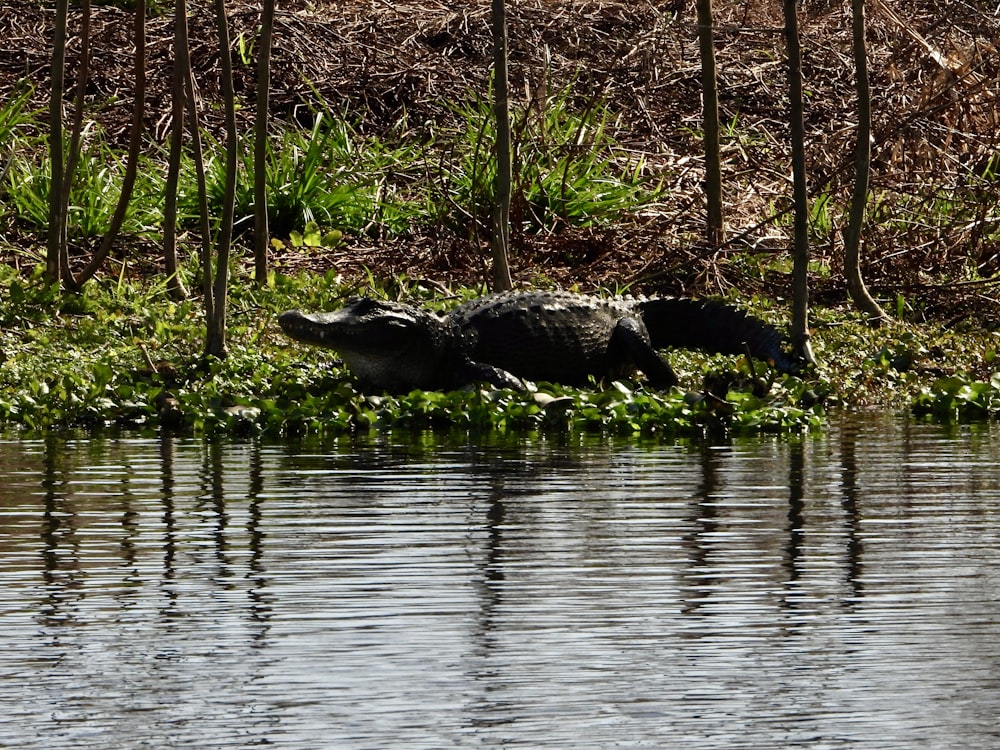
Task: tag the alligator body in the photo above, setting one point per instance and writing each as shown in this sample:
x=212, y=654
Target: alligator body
x=506, y=338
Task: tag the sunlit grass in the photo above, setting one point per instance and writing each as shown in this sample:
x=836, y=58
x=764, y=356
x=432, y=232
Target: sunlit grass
x=97, y=183
x=328, y=175
x=568, y=169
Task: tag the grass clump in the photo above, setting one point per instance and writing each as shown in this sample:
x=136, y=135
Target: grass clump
x=97, y=183
x=568, y=169
x=328, y=175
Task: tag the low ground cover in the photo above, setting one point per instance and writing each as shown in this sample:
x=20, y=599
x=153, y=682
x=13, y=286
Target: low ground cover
x=125, y=354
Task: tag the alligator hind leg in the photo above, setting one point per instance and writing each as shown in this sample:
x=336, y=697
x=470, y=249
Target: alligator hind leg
x=630, y=345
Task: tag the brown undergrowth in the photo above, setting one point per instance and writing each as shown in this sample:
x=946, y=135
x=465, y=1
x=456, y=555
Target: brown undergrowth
x=933, y=240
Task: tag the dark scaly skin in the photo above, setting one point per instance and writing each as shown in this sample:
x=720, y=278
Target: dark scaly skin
x=509, y=337
x=560, y=337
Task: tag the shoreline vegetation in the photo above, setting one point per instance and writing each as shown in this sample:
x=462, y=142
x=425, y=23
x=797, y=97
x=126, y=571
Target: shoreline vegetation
x=124, y=355
x=378, y=183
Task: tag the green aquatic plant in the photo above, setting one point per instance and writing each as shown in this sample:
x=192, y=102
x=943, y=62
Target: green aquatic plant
x=959, y=397
x=124, y=353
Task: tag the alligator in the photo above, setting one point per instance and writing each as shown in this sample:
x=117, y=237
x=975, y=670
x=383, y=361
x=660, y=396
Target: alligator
x=507, y=338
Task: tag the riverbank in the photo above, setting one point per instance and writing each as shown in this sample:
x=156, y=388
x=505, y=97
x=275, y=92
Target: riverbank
x=126, y=355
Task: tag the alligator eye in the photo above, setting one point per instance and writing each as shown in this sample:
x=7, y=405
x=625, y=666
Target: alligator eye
x=393, y=321
x=362, y=305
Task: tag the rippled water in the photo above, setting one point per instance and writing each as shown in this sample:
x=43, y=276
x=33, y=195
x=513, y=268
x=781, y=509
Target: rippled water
x=837, y=591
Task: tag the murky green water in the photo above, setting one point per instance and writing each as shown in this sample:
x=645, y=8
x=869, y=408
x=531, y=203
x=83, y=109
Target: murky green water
x=840, y=591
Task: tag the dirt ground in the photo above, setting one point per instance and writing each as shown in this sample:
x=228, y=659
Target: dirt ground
x=934, y=74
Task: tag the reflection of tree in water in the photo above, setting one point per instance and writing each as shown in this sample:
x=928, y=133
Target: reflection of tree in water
x=216, y=480
x=796, y=520
x=212, y=500
x=60, y=541
x=166, y=445
x=849, y=490
x=216, y=499
x=703, y=524
x=509, y=469
x=260, y=601
x=512, y=471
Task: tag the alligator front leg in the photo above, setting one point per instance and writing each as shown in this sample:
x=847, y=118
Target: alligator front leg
x=478, y=372
x=630, y=345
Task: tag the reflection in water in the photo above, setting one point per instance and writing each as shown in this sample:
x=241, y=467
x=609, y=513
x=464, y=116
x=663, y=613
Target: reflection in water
x=849, y=502
x=60, y=544
x=796, y=517
x=703, y=527
x=167, y=483
x=827, y=591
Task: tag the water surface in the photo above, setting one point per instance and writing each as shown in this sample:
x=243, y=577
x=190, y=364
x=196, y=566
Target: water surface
x=834, y=591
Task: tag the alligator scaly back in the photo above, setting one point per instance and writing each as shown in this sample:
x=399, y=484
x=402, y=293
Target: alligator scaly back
x=560, y=337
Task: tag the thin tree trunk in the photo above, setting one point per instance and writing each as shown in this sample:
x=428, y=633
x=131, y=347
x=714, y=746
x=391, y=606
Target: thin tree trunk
x=177, y=92
x=198, y=158
x=800, y=202
x=715, y=228
x=190, y=99
x=134, y=149
x=215, y=344
x=862, y=166
x=57, y=217
x=75, y=139
x=261, y=231
x=502, y=187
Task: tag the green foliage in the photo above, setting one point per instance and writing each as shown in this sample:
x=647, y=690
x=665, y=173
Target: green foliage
x=567, y=168
x=568, y=171
x=328, y=175
x=124, y=353
x=97, y=183
x=15, y=122
x=313, y=236
x=960, y=397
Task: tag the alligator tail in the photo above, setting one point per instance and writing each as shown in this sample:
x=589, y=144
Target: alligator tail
x=715, y=327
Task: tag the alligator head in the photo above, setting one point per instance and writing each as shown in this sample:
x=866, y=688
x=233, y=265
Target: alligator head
x=388, y=346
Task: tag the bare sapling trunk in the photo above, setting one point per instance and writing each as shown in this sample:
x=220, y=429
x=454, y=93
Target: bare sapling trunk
x=132, y=160
x=215, y=343
x=856, y=287
x=500, y=241
x=198, y=160
x=57, y=215
x=715, y=225
x=75, y=140
x=261, y=231
x=800, y=202
x=178, y=96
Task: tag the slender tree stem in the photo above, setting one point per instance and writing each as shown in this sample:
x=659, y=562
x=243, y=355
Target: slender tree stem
x=502, y=187
x=862, y=166
x=261, y=231
x=57, y=217
x=800, y=188
x=715, y=228
x=216, y=339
